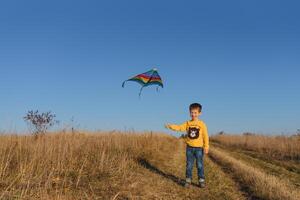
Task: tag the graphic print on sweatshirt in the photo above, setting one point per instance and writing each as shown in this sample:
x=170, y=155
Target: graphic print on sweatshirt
x=193, y=132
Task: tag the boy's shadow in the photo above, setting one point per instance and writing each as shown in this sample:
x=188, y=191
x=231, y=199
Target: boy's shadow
x=144, y=163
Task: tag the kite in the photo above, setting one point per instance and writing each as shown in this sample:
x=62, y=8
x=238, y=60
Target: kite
x=145, y=79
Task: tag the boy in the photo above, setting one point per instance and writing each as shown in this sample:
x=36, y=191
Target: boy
x=197, y=142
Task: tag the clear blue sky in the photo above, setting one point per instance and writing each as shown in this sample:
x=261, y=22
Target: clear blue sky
x=240, y=59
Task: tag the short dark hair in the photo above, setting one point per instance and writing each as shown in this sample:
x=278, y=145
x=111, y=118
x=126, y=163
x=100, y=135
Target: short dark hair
x=196, y=106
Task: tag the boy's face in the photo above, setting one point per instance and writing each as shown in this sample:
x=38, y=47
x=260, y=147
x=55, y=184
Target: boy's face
x=195, y=113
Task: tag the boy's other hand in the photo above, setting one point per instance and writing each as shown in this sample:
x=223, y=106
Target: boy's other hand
x=206, y=151
x=167, y=126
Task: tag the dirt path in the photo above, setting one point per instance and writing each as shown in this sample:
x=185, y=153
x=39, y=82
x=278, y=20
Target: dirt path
x=267, y=166
x=163, y=176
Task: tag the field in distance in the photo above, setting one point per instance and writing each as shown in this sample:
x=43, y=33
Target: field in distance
x=119, y=165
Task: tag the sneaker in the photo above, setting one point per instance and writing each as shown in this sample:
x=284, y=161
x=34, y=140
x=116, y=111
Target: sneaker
x=201, y=183
x=188, y=182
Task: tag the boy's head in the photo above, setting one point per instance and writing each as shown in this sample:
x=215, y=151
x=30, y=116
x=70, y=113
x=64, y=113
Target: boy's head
x=195, y=110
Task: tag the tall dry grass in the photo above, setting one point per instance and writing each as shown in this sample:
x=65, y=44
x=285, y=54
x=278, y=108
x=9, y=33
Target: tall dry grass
x=71, y=166
x=279, y=147
x=261, y=184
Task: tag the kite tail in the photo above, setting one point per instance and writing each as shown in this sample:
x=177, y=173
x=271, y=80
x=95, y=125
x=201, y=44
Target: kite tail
x=123, y=84
x=141, y=91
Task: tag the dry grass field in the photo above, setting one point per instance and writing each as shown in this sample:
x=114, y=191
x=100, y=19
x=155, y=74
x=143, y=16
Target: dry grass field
x=274, y=147
x=135, y=166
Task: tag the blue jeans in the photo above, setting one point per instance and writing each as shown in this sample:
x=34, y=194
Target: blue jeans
x=193, y=153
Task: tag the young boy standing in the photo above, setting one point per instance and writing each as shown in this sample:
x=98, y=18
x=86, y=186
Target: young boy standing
x=197, y=143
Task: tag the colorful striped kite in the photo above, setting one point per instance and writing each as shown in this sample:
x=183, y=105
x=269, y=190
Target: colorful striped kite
x=148, y=78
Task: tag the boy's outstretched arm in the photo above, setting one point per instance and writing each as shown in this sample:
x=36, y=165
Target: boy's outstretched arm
x=174, y=127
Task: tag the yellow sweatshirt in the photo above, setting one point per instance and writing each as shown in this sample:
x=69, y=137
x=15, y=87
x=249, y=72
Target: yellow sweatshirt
x=197, y=135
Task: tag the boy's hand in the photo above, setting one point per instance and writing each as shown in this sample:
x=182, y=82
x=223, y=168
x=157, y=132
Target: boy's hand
x=167, y=126
x=206, y=151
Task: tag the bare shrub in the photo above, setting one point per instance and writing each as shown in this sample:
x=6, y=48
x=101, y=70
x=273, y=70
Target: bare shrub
x=40, y=122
